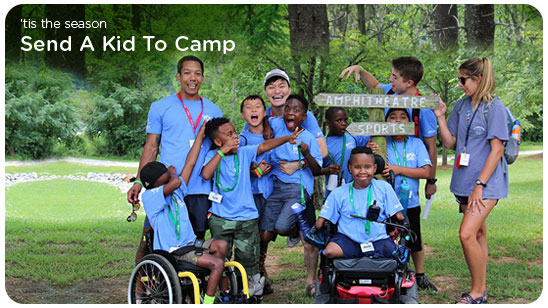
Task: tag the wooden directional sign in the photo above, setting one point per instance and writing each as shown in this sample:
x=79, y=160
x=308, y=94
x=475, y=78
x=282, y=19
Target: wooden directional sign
x=376, y=101
x=381, y=128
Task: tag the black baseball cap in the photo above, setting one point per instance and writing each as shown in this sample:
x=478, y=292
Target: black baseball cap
x=151, y=172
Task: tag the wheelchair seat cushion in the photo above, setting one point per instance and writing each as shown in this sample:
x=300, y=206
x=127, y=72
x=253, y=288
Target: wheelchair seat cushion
x=184, y=266
x=365, y=264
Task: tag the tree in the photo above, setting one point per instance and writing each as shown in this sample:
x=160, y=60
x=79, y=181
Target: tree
x=13, y=34
x=446, y=31
x=73, y=61
x=480, y=25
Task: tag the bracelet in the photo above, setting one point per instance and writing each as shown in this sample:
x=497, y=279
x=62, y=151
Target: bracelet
x=361, y=68
x=431, y=181
x=138, y=181
x=258, y=172
x=221, y=153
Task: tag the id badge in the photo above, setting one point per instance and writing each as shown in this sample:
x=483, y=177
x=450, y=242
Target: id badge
x=215, y=197
x=464, y=159
x=367, y=247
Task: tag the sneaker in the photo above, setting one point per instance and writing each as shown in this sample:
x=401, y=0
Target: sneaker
x=256, y=285
x=292, y=241
x=424, y=284
x=268, y=289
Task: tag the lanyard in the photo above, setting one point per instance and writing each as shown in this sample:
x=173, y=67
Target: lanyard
x=367, y=222
x=218, y=173
x=404, y=178
x=189, y=116
x=176, y=222
x=343, y=151
x=303, y=202
x=468, y=129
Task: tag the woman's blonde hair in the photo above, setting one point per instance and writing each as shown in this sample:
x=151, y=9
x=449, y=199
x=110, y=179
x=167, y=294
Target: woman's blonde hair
x=483, y=67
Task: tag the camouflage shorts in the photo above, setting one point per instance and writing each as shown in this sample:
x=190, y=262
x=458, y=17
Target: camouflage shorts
x=192, y=256
x=243, y=236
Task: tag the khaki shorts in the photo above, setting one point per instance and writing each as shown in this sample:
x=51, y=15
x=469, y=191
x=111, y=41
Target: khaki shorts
x=192, y=256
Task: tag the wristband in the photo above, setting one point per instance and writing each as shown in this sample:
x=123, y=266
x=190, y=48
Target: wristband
x=138, y=181
x=258, y=172
x=221, y=153
x=431, y=181
x=361, y=68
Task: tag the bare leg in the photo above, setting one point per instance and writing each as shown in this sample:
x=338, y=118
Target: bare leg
x=214, y=261
x=311, y=261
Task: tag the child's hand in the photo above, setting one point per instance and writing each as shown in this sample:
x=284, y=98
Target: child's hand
x=304, y=149
x=265, y=168
x=288, y=167
x=267, y=131
x=293, y=137
x=230, y=145
x=333, y=169
x=372, y=145
x=386, y=171
x=201, y=133
x=172, y=170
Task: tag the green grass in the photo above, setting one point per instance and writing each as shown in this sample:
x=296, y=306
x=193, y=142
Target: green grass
x=62, y=232
x=66, y=168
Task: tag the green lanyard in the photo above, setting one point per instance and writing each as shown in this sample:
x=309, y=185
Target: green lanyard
x=303, y=202
x=343, y=151
x=218, y=173
x=403, y=177
x=367, y=222
x=176, y=222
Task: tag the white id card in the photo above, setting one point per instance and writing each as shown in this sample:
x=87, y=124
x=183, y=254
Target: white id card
x=191, y=142
x=367, y=247
x=215, y=197
x=464, y=159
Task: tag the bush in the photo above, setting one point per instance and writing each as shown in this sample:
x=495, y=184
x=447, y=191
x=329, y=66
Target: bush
x=39, y=110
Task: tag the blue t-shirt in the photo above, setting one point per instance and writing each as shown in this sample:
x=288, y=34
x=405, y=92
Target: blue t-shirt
x=160, y=209
x=428, y=123
x=261, y=185
x=416, y=157
x=289, y=152
x=335, y=149
x=167, y=117
x=463, y=179
x=338, y=208
x=310, y=123
x=237, y=204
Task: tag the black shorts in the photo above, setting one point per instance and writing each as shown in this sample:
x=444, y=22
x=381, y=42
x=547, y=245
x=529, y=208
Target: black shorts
x=414, y=216
x=463, y=200
x=198, y=207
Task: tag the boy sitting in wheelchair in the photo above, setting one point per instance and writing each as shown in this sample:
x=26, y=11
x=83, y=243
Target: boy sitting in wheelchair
x=356, y=237
x=166, y=210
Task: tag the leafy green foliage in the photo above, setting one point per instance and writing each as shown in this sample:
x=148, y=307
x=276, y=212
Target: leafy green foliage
x=39, y=110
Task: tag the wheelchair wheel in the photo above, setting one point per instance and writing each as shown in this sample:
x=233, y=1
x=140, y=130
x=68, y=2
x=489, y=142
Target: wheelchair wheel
x=154, y=281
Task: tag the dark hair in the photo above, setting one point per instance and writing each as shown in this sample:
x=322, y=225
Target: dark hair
x=360, y=150
x=330, y=112
x=212, y=127
x=273, y=79
x=410, y=68
x=189, y=58
x=300, y=98
x=252, y=97
x=393, y=109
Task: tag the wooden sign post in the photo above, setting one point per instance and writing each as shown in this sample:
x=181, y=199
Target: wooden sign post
x=377, y=101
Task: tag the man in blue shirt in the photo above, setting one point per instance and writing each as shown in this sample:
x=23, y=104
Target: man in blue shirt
x=172, y=127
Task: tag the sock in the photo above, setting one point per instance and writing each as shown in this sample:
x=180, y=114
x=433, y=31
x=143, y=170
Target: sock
x=209, y=299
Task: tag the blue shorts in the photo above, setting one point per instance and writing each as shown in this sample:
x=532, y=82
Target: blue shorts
x=198, y=207
x=278, y=215
x=351, y=249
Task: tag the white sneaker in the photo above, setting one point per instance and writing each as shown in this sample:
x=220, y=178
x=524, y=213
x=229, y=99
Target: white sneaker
x=256, y=285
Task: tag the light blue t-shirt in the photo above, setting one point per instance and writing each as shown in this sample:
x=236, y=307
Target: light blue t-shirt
x=335, y=149
x=416, y=157
x=167, y=117
x=479, y=147
x=237, y=204
x=338, y=208
x=158, y=208
x=310, y=123
x=289, y=152
x=428, y=123
x=264, y=184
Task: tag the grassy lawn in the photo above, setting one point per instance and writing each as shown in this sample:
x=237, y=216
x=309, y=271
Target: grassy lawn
x=67, y=168
x=62, y=233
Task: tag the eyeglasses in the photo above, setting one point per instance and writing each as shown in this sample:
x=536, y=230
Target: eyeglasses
x=133, y=216
x=462, y=80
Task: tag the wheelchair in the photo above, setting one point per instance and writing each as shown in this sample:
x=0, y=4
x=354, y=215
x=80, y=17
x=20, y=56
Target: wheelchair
x=366, y=280
x=161, y=279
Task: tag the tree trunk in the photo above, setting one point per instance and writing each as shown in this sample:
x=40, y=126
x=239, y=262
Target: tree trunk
x=446, y=33
x=361, y=18
x=73, y=61
x=13, y=34
x=480, y=25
